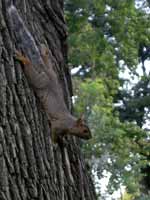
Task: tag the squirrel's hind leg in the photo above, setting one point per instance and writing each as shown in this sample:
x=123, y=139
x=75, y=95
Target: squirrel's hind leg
x=38, y=80
x=22, y=58
x=44, y=54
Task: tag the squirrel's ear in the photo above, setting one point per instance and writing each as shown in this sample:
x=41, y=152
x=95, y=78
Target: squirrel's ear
x=82, y=117
x=80, y=120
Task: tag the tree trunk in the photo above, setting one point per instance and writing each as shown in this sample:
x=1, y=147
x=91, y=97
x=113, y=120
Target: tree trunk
x=31, y=166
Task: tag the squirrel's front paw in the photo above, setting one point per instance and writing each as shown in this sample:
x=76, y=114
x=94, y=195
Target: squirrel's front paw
x=54, y=136
x=57, y=135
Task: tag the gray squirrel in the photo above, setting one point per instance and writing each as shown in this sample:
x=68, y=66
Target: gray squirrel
x=39, y=71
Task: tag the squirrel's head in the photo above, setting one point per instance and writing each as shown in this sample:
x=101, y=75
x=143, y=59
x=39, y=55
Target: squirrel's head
x=81, y=129
x=71, y=126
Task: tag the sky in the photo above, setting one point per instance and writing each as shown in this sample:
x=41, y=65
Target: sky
x=103, y=185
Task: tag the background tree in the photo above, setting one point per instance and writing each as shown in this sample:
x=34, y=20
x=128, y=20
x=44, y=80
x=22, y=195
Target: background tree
x=107, y=39
x=31, y=166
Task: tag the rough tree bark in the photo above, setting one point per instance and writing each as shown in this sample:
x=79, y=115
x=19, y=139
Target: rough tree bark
x=31, y=166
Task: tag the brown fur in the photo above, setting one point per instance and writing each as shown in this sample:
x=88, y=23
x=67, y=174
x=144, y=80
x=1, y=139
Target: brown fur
x=39, y=71
x=49, y=91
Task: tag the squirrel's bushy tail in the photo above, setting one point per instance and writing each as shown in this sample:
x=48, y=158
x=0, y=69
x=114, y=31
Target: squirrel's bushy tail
x=24, y=39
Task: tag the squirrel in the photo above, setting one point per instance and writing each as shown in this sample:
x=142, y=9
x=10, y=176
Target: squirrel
x=38, y=69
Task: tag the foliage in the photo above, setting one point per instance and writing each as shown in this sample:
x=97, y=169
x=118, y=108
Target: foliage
x=106, y=38
x=144, y=197
x=127, y=196
x=113, y=145
x=105, y=28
